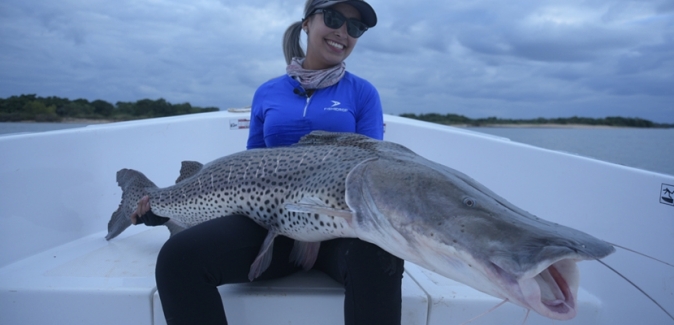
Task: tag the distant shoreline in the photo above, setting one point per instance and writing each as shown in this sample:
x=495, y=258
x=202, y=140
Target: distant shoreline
x=544, y=126
x=560, y=122
x=67, y=121
x=84, y=121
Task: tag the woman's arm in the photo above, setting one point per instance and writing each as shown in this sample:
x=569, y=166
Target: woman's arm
x=369, y=117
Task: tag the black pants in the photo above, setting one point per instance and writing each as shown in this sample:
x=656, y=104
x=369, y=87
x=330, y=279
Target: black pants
x=194, y=262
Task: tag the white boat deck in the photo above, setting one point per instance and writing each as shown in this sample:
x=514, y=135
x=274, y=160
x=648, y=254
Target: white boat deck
x=59, y=190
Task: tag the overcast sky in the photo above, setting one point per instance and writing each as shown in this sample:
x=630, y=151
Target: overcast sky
x=479, y=58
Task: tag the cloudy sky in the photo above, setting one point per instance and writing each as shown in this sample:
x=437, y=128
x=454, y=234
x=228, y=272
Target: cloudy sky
x=479, y=58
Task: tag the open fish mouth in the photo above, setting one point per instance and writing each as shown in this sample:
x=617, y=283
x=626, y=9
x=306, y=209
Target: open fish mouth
x=555, y=292
x=552, y=292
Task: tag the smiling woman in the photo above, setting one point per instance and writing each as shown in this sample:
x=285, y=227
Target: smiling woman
x=360, y=17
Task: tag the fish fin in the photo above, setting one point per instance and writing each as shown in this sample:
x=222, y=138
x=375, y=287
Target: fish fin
x=134, y=186
x=263, y=258
x=174, y=227
x=305, y=253
x=315, y=205
x=119, y=221
x=319, y=137
x=188, y=169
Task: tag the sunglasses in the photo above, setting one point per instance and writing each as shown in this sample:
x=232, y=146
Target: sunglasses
x=334, y=19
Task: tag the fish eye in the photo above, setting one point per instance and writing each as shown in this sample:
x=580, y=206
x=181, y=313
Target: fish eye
x=469, y=202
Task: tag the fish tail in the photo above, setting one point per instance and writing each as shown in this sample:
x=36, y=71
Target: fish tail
x=134, y=186
x=120, y=220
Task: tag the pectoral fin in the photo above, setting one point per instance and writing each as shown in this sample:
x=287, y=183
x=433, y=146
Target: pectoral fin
x=263, y=258
x=305, y=253
x=315, y=205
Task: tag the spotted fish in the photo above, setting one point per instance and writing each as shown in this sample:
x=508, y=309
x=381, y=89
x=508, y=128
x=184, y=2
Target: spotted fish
x=333, y=185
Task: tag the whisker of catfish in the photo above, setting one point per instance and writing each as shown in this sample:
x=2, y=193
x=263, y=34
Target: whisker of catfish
x=526, y=316
x=486, y=312
x=637, y=287
x=642, y=254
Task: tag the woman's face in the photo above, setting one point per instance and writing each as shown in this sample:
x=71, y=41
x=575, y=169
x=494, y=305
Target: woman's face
x=327, y=47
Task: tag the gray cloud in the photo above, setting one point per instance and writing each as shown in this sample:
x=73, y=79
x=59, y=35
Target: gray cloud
x=478, y=58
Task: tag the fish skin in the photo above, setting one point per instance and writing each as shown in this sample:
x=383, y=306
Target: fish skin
x=260, y=183
x=346, y=185
x=458, y=228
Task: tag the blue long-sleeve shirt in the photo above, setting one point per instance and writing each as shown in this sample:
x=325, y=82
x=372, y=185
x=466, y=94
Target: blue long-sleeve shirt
x=281, y=113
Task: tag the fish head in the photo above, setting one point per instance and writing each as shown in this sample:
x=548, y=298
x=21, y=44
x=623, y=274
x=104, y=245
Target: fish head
x=447, y=222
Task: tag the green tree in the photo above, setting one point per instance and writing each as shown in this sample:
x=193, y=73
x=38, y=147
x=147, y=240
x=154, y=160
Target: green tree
x=32, y=107
x=39, y=111
x=78, y=110
x=102, y=108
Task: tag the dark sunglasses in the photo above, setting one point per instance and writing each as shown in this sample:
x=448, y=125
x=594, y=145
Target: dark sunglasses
x=334, y=19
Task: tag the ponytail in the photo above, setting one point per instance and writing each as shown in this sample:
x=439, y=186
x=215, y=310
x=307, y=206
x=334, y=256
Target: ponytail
x=291, y=42
x=291, y=38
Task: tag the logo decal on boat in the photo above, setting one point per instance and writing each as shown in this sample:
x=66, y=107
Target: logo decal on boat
x=238, y=124
x=666, y=194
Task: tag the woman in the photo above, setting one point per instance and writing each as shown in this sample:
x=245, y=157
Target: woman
x=315, y=94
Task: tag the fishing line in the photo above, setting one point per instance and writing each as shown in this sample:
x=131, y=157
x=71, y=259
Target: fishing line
x=636, y=286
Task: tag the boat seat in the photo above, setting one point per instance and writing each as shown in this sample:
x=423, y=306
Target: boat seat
x=94, y=281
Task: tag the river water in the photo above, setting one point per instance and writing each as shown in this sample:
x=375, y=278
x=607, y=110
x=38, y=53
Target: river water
x=649, y=149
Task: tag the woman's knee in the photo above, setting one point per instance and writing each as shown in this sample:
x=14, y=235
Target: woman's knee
x=361, y=257
x=174, y=257
x=210, y=239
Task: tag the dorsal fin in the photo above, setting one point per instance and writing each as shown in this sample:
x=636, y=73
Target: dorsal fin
x=345, y=139
x=332, y=138
x=188, y=169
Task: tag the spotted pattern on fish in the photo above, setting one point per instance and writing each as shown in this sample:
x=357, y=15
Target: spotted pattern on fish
x=259, y=183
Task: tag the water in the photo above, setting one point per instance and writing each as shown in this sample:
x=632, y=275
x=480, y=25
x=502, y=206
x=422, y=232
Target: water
x=649, y=149
x=29, y=127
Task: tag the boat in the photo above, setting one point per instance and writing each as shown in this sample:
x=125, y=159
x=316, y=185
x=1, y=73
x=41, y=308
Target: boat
x=58, y=191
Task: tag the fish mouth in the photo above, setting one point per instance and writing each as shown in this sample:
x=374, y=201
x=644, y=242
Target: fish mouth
x=551, y=292
x=557, y=296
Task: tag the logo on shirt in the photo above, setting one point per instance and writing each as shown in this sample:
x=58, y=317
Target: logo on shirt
x=335, y=108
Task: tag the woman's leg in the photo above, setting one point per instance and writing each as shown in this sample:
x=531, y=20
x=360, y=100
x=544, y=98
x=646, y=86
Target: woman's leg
x=194, y=262
x=372, y=280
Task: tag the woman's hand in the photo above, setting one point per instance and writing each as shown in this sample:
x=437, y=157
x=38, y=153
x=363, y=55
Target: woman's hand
x=143, y=214
x=142, y=208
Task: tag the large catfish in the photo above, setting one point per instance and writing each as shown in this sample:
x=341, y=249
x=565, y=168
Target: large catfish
x=345, y=185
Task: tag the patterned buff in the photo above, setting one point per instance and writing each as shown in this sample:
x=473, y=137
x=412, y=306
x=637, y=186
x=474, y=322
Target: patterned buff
x=315, y=79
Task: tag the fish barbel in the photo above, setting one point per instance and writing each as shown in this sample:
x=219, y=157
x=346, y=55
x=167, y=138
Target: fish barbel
x=333, y=185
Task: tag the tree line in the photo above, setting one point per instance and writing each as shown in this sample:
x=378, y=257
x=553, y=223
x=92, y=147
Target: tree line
x=56, y=109
x=455, y=119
